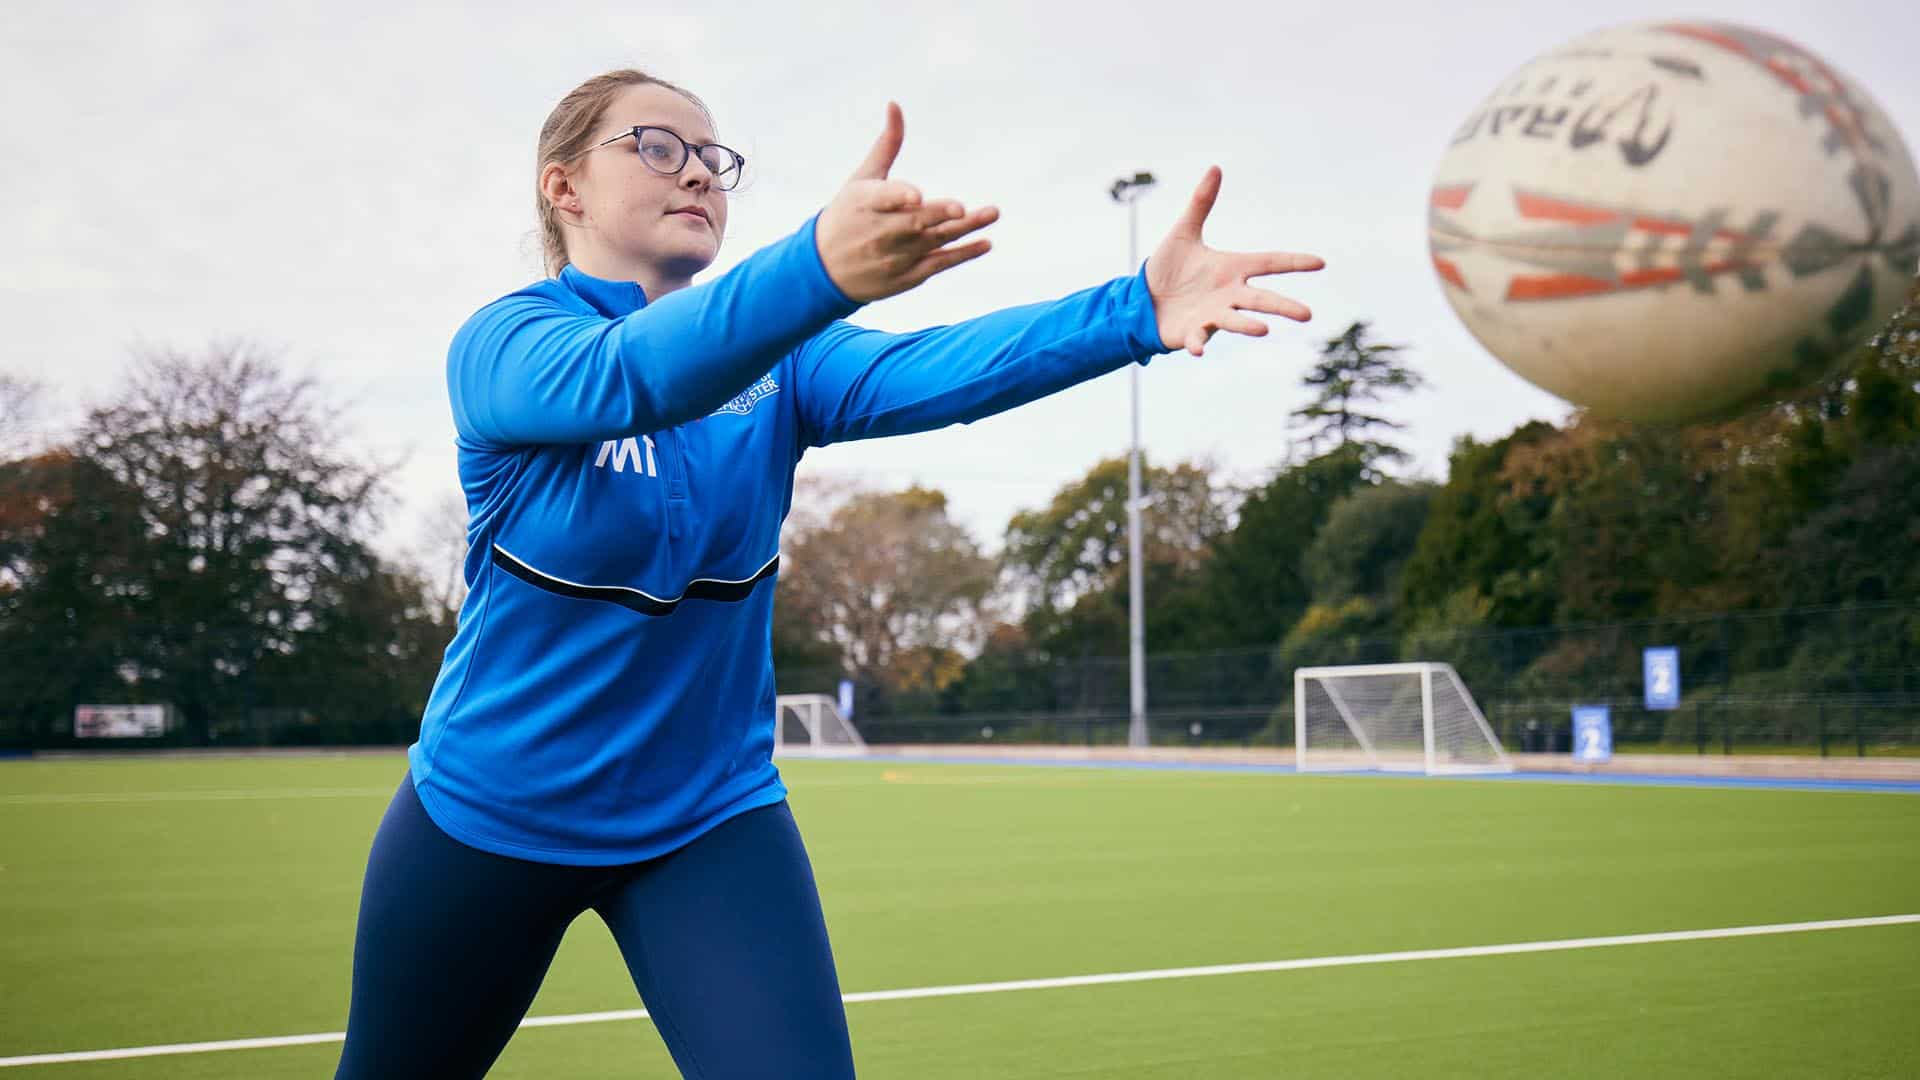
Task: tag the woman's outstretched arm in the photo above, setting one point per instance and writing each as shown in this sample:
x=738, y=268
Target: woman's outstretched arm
x=854, y=383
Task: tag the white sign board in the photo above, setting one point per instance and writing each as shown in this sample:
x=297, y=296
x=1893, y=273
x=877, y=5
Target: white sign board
x=119, y=721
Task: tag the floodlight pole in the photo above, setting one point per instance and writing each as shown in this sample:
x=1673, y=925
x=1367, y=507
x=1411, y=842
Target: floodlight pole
x=1128, y=190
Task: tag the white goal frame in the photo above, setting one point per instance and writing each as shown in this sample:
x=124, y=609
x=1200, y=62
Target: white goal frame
x=1367, y=757
x=817, y=713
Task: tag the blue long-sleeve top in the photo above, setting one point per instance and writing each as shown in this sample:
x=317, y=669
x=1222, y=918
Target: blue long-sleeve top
x=608, y=695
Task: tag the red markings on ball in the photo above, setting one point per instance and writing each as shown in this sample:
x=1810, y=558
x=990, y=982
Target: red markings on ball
x=1556, y=287
x=1539, y=206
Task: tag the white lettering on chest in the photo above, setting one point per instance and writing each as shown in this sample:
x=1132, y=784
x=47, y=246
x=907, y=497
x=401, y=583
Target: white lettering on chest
x=622, y=452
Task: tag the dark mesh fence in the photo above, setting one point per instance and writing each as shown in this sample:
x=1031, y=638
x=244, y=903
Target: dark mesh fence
x=1835, y=681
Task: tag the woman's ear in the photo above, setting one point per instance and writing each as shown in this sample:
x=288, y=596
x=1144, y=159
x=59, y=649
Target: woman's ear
x=558, y=188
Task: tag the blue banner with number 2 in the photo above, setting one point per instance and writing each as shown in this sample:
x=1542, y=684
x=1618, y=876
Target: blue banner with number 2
x=1592, y=733
x=1661, y=667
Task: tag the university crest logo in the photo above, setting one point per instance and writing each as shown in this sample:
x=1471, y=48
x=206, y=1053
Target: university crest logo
x=745, y=400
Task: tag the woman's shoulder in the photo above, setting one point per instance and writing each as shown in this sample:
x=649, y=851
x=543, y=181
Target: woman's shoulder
x=545, y=298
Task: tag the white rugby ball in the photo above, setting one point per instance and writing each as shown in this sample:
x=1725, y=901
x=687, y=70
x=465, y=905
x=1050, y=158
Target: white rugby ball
x=1672, y=221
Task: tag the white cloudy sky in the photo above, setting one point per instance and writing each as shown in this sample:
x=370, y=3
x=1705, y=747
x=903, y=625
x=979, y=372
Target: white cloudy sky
x=347, y=182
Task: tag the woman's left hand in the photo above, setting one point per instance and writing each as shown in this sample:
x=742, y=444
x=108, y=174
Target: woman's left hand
x=1197, y=290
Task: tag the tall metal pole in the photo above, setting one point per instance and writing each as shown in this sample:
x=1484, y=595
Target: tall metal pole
x=1129, y=191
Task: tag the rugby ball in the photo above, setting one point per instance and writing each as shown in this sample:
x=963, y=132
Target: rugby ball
x=1674, y=221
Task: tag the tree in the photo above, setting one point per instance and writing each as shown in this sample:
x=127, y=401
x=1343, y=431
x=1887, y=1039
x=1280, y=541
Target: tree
x=1635, y=522
x=1860, y=549
x=440, y=561
x=806, y=658
x=1886, y=384
x=1068, y=560
x=1253, y=586
x=1487, y=534
x=1077, y=544
x=72, y=584
x=1007, y=675
x=893, y=583
x=252, y=516
x=365, y=666
x=21, y=401
x=1354, y=631
x=1352, y=373
x=1366, y=541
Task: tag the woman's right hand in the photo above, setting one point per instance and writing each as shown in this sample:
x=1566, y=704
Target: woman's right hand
x=880, y=237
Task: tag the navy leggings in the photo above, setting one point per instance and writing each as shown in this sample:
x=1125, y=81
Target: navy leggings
x=724, y=938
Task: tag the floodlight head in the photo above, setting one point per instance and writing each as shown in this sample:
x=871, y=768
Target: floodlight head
x=1126, y=189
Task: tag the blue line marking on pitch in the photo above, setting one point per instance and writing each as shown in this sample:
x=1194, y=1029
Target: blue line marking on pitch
x=1883, y=787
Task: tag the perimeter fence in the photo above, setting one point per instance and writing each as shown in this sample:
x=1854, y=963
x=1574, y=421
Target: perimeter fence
x=1830, y=681
x=1827, y=681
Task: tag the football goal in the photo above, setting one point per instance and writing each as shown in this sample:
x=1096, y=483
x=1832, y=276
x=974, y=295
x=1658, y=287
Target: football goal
x=1414, y=717
x=810, y=724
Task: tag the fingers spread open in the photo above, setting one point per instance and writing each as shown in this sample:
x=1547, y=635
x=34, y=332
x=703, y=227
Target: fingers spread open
x=885, y=149
x=1244, y=324
x=947, y=232
x=949, y=257
x=893, y=196
x=936, y=212
x=1271, y=303
x=1282, y=262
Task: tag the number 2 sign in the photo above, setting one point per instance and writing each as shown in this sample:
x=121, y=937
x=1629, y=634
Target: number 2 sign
x=1660, y=665
x=1592, y=733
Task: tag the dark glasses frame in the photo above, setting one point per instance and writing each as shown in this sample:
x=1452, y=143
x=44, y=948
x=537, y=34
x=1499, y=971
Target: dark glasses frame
x=726, y=179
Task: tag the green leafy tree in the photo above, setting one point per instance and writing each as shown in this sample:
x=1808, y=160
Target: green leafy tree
x=1864, y=546
x=1859, y=550
x=1353, y=631
x=1635, y=529
x=1068, y=560
x=73, y=562
x=1254, y=585
x=1487, y=533
x=363, y=670
x=1077, y=543
x=1354, y=375
x=1007, y=675
x=1885, y=384
x=1366, y=541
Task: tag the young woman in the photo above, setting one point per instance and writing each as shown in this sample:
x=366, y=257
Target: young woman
x=601, y=733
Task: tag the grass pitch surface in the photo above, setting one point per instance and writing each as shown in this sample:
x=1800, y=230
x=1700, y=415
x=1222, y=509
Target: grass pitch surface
x=175, y=900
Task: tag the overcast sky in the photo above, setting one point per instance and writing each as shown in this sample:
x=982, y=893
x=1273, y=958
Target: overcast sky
x=347, y=183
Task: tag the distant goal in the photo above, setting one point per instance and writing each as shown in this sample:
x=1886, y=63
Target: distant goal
x=1411, y=717
x=810, y=725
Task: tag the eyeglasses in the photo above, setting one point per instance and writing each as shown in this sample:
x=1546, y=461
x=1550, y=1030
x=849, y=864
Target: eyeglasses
x=666, y=153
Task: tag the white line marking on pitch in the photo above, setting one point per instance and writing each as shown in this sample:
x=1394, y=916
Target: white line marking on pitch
x=1052, y=984
x=56, y=797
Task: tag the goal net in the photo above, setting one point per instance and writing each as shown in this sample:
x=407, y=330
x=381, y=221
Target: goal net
x=1416, y=717
x=811, y=724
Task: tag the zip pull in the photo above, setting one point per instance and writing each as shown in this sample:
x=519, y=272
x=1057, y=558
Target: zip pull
x=674, y=448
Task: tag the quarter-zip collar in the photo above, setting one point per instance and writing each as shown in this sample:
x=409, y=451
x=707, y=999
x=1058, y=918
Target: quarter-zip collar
x=610, y=298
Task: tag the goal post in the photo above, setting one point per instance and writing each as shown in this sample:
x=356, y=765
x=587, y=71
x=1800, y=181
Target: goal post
x=806, y=725
x=1416, y=717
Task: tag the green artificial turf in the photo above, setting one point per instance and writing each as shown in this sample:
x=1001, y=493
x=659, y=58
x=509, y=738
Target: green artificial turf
x=169, y=900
